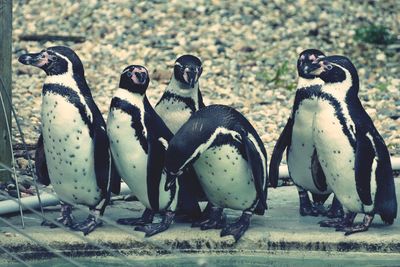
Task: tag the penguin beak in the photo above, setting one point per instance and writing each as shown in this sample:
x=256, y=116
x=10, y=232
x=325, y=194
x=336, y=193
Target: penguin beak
x=190, y=77
x=34, y=59
x=141, y=77
x=171, y=179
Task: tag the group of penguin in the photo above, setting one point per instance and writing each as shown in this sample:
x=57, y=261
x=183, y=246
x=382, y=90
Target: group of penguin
x=181, y=152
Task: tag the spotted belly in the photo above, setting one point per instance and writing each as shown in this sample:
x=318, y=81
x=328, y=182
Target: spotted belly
x=302, y=147
x=337, y=159
x=226, y=178
x=69, y=151
x=129, y=156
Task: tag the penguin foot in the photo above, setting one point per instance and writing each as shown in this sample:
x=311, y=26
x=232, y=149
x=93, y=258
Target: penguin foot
x=335, y=210
x=319, y=209
x=88, y=225
x=306, y=208
x=359, y=227
x=205, y=215
x=65, y=219
x=147, y=217
x=339, y=223
x=155, y=228
x=238, y=228
x=216, y=220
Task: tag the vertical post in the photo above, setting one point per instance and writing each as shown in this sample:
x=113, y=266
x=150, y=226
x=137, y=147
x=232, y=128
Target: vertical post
x=5, y=74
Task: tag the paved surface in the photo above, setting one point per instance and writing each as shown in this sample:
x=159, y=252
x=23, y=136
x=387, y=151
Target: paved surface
x=280, y=230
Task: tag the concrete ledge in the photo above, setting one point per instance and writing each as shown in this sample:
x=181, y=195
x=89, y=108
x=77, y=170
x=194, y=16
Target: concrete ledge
x=282, y=229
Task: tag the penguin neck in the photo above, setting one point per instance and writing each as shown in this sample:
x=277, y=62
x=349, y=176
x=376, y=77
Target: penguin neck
x=178, y=88
x=134, y=98
x=73, y=81
x=304, y=83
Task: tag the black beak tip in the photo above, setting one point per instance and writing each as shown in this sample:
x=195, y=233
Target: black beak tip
x=24, y=59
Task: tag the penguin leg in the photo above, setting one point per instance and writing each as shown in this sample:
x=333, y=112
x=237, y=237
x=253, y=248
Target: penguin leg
x=215, y=220
x=66, y=217
x=238, y=228
x=339, y=223
x=336, y=209
x=155, y=228
x=360, y=227
x=147, y=217
x=306, y=208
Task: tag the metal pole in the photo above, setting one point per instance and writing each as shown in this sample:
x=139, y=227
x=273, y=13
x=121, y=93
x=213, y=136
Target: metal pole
x=5, y=73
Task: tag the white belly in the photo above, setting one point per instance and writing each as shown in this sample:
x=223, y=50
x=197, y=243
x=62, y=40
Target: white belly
x=69, y=152
x=337, y=159
x=302, y=147
x=226, y=178
x=129, y=156
x=173, y=113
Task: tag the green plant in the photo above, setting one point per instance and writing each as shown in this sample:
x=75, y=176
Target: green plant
x=374, y=34
x=277, y=77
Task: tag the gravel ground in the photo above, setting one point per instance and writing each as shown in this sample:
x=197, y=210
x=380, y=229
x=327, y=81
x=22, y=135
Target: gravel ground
x=244, y=45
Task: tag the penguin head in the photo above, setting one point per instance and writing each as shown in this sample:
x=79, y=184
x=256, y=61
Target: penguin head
x=307, y=62
x=135, y=78
x=187, y=70
x=337, y=70
x=54, y=60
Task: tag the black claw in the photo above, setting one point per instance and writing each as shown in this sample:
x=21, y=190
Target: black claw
x=238, y=228
x=155, y=228
x=147, y=217
x=215, y=219
x=88, y=225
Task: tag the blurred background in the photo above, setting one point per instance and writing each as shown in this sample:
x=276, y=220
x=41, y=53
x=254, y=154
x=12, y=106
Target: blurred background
x=249, y=51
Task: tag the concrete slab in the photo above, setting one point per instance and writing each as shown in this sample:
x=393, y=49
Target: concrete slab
x=281, y=230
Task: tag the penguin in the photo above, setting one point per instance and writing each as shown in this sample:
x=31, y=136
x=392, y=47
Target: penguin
x=297, y=139
x=180, y=100
x=73, y=149
x=230, y=160
x=352, y=153
x=182, y=97
x=138, y=139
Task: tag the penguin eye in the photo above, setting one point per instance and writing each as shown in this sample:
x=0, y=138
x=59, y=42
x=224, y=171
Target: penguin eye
x=129, y=74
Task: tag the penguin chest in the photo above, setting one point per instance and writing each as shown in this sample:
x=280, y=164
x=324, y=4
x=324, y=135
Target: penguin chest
x=302, y=146
x=226, y=178
x=69, y=151
x=129, y=156
x=337, y=158
x=174, y=113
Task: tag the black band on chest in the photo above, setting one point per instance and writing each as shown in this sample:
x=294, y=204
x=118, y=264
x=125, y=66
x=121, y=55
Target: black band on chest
x=71, y=97
x=136, y=123
x=189, y=102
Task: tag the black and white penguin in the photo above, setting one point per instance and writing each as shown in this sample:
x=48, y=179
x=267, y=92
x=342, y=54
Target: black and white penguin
x=138, y=140
x=353, y=155
x=73, y=149
x=230, y=160
x=297, y=139
x=181, y=99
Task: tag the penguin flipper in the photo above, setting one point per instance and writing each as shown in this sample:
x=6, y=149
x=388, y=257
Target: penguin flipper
x=256, y=165
x=280, y=146
x=155, y=164
x=101, y=158
x=364, y=156
x=42, y=172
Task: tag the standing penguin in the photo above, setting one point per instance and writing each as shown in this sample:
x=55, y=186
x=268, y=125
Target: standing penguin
x=352, y=153
x=230, y=160
x=73, y=149
x=181, y=99
x=138, y=137
x=297, y=139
